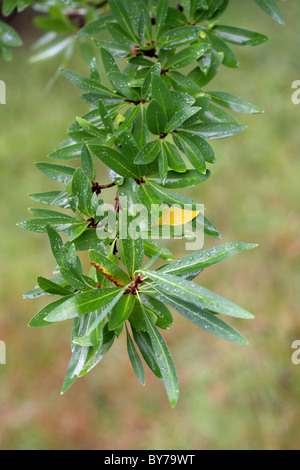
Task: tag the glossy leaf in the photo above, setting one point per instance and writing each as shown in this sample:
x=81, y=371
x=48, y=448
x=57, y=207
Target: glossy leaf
x=121, y=311
x=165, y=362
x=196, y=295
x=240, y=37
x=234, y=103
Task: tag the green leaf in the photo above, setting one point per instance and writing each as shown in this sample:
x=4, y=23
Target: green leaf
x=115, y=160
x=209, y=322
x=104, y=114
x=9, y=36
x=270, y=7
x=196, y=295
x=230, y=59
x=110, y=270
x=60, y=173
x=234, y=103
x=163, y=164
x=175, y=160
x=140, y=129
x=96, y=353
x=238, y=36
x=121, y=311
x=206, y=258
x=8, y=6
x=88, y=240
x=57, y=247
x=135, y=360
x=148, y=153
x=39, y=225
x=67, y=152
x=147, y=86
x=143, y=342
x=81, y=304
x=164, y=318
x=52, y=287
x=121, y=14
x=108, y=61
x=164, y=362
x=180, y=117
x=179, y=37
x=200, y=78
x=192, y=152
x=156, y=118
x=161, y=15
x=87, y=163
x=131, y=249
x=121, y=83
x=184, y=84
x=39, y=319
x=162, y=94
x=87, y=84
x=153, y=248
x=54, y=198
x=81, y=188
x=94, y=27
x=187, y=56
x=202, y=145
x=215, y=131
x=183, y=180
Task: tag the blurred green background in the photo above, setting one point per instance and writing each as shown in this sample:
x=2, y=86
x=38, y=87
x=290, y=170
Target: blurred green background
x=231, y=397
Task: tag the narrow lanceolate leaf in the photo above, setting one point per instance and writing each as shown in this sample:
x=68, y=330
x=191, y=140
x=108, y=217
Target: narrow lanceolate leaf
x=161, y=93
x=183, y=180
x=75, y=366
x=131, y=244
x=143, y=342
x=109, y=63
x=192, y=152
x=230, y=59
x=179, y=37
x=153, y=248
x=238, y=36
x=180, y=117
x=97, y=353
x=81, y=304
x=54, y=198
x=87, y=84
x=9, y=36
x=270, y=7
x=206, y=320
x=196, y=295
x=67, y=152
x=187, y=56
x=121, y=311
x=147, y=86
x=156, y=118
x=115, y=160
x=148, y=153
x=164, y=318
x=60, y=173
x=203, y=259
x=215, y=131
x=81, y=188
x=121, y=82
x=87, y=163
x=235, y=103
x=161, y=15
x=110, y=270
x=175, y=160
x=121, y=14
x=164, y=362
x=57, y=247
x=39, y=319
x=135, y=360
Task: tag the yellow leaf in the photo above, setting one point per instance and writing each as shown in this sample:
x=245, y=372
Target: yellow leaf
x=176, y=216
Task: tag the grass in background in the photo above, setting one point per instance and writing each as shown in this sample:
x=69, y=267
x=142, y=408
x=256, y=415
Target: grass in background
x=231, y=397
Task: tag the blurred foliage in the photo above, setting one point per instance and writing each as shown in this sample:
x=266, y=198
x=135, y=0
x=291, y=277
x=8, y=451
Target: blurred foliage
x=232, y=398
